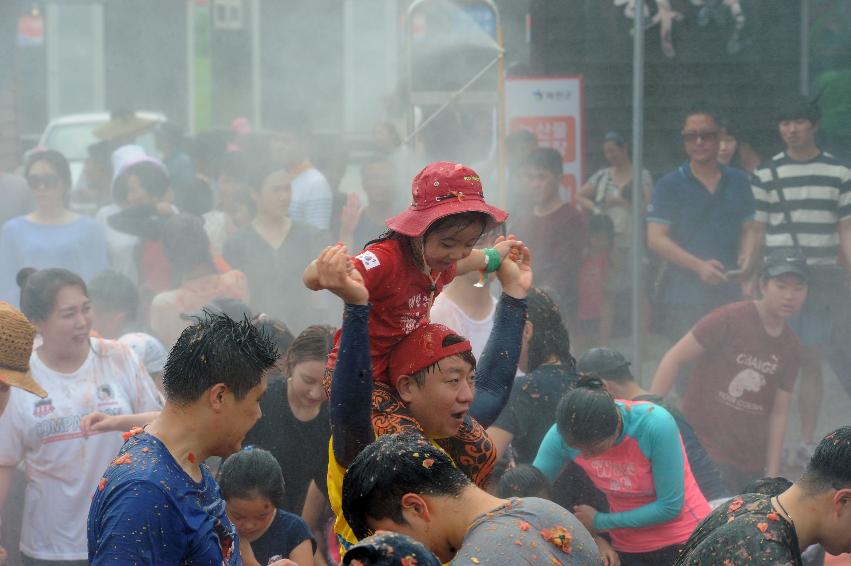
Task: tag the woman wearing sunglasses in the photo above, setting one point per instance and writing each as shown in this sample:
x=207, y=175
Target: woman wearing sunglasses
x=51, y=235
x=633, y=453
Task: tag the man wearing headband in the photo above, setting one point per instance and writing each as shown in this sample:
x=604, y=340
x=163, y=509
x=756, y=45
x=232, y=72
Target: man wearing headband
x=431, y=371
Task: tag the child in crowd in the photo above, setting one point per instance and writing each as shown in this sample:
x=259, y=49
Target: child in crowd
x=524, y=480
x=253, y=489
x=596, y=306
x=425, y=248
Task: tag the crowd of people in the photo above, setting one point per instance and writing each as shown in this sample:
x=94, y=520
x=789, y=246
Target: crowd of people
x=178, y=384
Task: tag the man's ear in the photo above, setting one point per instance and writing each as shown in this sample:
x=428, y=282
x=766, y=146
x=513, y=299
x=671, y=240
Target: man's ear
x=404, y=387
x=414, y=506
x=842, y=501
x=216, y=397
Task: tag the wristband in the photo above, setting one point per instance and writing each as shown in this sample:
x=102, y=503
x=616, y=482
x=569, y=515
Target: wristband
x=493, y=260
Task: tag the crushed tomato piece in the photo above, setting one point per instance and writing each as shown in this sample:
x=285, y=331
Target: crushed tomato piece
x=123, y=459
x=132, y=432
x=559, y=537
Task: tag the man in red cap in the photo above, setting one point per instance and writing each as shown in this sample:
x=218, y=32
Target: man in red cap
x=425, y=247
x=431, y=371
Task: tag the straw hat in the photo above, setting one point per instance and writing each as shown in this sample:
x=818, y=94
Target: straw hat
x=16, y=346
x=121, y=124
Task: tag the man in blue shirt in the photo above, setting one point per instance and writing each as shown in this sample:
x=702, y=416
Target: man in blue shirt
x=157, y=502
x=700, y=222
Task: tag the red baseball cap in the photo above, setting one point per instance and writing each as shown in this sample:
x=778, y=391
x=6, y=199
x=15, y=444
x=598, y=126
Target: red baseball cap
x=422, y=348
x=442, y=189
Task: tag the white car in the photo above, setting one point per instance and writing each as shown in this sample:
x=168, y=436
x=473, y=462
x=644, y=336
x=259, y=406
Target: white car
x=72, y=135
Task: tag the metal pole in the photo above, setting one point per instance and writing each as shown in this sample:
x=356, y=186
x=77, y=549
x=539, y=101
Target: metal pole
x=501, y=129
x=256, y=67
x=637, y=188
x=805, y=48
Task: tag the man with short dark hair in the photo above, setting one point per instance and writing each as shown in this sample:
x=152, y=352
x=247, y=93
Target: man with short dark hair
x=761, y=529
x=403, y=483
x=700, y=224
x=613, y=369
x=157, y=502
x=803, y=199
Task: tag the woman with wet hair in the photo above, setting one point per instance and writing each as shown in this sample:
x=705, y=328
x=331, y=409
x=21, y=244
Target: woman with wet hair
x=253, y=489
x=550, y=373
x=633, y=453
x=81, y=375
x=52, y=235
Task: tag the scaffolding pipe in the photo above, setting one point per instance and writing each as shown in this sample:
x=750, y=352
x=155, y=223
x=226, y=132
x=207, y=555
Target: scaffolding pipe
x=637, y=189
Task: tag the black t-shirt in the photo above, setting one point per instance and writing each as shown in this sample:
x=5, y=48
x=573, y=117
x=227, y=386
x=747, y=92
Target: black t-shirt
x=285, y=533
x=301, y=448
x=531, y=409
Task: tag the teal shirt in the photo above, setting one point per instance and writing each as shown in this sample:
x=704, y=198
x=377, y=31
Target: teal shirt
x=658, y=440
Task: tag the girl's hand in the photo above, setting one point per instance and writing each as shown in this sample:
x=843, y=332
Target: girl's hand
x=504, y=245
x=98, y=422
x=335, y=273
x=515, y=272
x=607, y=553
x=247, y=553
x=283, y=562
x=585, y=514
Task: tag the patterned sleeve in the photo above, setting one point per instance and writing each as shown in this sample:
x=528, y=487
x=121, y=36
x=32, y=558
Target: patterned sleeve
x=376, y=265
x=762, y=196
x=845, y=194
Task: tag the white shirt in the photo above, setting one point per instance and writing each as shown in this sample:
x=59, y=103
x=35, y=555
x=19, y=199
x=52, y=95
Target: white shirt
x=445, y=311
x=63, y=468
x=312, y=199
x=121, y=246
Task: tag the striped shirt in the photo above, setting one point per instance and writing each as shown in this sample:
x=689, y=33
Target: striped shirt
x=312, y=198
x=818, y=197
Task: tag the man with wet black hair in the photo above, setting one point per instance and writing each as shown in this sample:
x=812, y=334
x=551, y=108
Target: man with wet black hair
x=803, y=199
x=403, y=483
x=765, y=529
x=157, y=502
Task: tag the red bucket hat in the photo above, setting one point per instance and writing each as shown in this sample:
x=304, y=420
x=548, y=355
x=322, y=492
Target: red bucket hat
x=422, y=348
x=443, y=189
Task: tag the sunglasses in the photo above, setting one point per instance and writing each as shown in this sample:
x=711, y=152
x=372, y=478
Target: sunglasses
x=691, y=137
x=49, y=181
